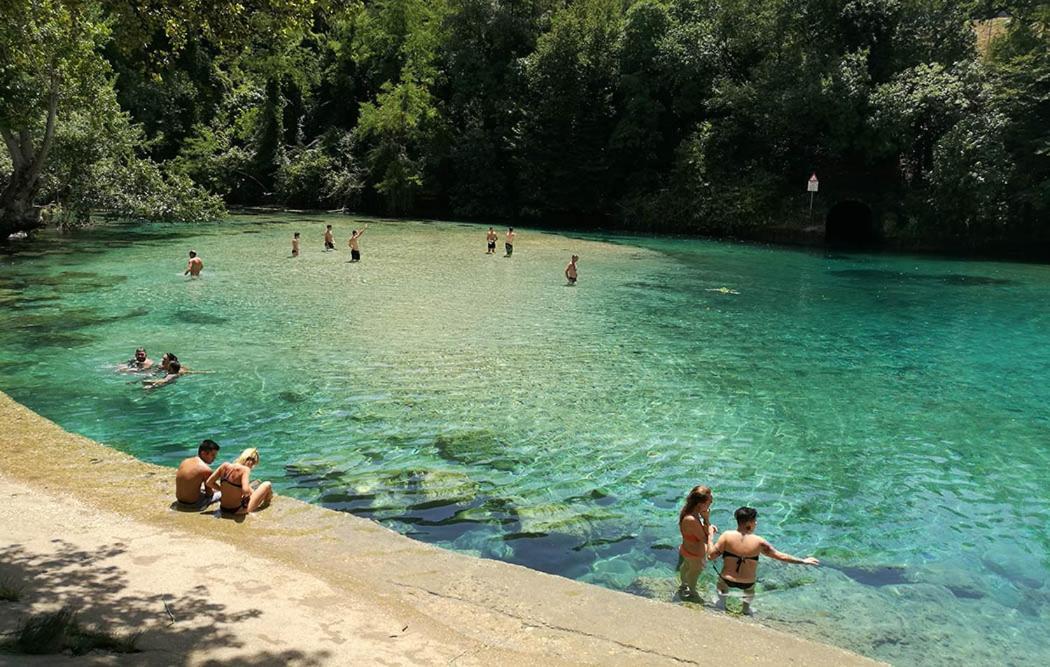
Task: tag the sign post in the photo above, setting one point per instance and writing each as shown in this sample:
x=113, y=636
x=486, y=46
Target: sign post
x=811, y=186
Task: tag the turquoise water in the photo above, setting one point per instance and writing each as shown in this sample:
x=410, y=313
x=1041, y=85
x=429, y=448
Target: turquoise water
x=887, y=414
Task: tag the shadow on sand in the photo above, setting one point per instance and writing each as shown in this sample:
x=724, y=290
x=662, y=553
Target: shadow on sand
x=85, y=581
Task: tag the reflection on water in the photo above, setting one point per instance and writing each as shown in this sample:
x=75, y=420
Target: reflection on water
x=908, y=276
x=877, y=415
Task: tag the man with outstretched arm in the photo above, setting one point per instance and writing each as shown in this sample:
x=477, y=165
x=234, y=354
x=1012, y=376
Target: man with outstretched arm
x=355, y=249
x=740, y=550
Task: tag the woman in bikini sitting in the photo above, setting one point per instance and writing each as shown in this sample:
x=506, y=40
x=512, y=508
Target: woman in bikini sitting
x=237, y=494
x=694, y=522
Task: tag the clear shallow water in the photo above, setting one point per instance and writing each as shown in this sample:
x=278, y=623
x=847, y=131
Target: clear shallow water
x=887, y=414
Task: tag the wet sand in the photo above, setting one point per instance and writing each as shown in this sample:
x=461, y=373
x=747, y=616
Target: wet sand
x=299, y=584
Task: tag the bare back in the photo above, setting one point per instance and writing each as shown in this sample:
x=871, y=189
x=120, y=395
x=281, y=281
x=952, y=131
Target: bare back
x=189, y=480
x=233, y=482
x=740, y=555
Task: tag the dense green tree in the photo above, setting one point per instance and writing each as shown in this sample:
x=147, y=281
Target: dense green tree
x=568, y=113
x=675, y=115
x=480, y=91
x=399, y=129
x=49, y=66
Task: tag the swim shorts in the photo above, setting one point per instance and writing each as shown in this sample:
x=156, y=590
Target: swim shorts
x=510, y=248
x=328, y=245
x=355, y=255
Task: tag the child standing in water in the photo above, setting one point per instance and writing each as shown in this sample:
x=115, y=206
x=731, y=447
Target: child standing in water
x=491, y=238
x=570, y=270
x=329, y=240
x=295, y=244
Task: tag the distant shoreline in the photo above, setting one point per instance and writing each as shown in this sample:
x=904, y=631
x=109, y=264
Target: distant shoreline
x=805, y=237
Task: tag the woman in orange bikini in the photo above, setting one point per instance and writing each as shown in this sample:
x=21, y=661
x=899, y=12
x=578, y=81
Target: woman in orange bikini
x=694, y=522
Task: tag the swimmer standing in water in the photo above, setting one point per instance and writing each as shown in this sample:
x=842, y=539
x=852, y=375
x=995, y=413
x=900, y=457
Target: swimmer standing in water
x=740, y=550
x=329, y=240
x=295, y=244
x=491, y=237
x=694, y=523
x=570, y=270
x=355, y=251
x=508, y=241
x=193, y=268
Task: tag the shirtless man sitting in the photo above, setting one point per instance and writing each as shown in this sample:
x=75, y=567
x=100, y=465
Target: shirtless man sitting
x=740, y=550
x=191, y=477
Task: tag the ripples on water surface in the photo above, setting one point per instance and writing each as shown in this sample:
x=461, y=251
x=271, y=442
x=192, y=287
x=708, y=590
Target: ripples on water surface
x=888, y=414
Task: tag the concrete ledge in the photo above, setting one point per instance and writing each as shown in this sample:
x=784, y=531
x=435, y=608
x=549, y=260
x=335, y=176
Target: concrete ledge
x=458, y=608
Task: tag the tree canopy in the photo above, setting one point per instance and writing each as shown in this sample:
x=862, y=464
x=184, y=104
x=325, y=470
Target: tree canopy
x=693, y=116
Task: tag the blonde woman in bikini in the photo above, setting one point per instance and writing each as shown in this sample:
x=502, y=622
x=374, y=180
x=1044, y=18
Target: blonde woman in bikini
x=694, y=522
x=232, y=480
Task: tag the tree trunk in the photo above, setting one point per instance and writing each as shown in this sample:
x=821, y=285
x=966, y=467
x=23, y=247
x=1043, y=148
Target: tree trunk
x=18, y=212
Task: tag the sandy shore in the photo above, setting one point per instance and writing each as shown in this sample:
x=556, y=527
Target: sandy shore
x=298, y=584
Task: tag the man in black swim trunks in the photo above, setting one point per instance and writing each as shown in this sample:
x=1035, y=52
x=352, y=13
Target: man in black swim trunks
x=740, y=549
x=491, y=238
x=508, y=241
x=355, y=249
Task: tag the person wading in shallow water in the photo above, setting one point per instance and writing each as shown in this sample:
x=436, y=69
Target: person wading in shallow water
x=508, y=241
x=570, y=270
x=355, y=250
x=491, y=239
x=694, y=522
x=740, y=550
x=194, y=266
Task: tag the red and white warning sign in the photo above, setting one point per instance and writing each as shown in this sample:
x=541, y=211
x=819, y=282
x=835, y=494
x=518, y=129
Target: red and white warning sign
x=813, y=183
